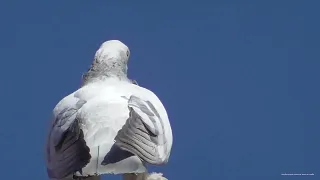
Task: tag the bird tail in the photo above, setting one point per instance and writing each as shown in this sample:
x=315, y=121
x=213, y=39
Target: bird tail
x=80, y=178
x=144, y=176
x=90, y=178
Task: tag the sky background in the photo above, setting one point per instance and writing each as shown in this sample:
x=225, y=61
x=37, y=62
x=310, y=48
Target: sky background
x=239, y=79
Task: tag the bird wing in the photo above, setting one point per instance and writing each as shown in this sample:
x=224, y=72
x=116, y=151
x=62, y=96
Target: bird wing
x=144, y=133
x=67, y=151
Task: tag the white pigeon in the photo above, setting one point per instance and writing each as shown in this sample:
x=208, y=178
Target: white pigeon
x=108, y=126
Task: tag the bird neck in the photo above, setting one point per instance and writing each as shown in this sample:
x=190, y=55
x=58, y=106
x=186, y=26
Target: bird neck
x=102, y=71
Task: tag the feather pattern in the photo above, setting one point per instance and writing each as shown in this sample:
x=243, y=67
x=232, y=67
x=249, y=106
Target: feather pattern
x=95, y=115
x=144, y=132
x=107, y=108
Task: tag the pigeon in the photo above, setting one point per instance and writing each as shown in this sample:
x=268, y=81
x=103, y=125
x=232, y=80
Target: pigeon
x=110, y=125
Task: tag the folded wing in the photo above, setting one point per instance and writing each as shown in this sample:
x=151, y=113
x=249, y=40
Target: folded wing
x=144, y=133
x=66, y=149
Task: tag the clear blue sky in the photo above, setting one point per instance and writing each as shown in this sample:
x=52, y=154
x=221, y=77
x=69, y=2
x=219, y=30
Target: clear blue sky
x=239, y=79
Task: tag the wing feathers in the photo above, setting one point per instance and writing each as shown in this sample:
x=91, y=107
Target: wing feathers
x=67, y=151
x=143, y=133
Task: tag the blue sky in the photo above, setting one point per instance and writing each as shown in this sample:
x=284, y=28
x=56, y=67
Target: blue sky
x=239, y=79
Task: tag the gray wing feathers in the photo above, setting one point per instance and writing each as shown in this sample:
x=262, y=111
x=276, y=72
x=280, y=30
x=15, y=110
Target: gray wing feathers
x=64, y=120
x=66, y=149
x=143, y=133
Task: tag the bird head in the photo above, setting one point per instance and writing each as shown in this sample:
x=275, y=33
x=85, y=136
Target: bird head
x=113, y=52
x=110, y=60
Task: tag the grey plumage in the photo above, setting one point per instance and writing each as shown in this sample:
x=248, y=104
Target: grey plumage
x=66, y=144
x=108, y=108
x=141, y=137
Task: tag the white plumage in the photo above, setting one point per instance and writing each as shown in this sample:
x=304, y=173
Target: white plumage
x=108, y=108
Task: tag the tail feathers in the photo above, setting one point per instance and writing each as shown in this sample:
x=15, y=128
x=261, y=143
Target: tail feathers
x=116, y=155
x=80, y=178
x=88, y=178
x=144, y=176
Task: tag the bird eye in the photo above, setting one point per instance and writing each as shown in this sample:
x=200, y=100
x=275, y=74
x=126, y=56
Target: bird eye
x=128, y=53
